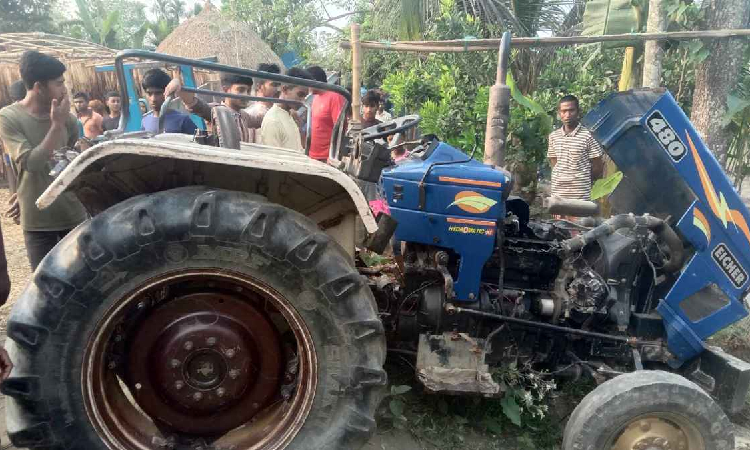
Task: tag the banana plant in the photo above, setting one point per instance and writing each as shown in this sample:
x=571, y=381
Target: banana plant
x=617, y=17
x=97, y=29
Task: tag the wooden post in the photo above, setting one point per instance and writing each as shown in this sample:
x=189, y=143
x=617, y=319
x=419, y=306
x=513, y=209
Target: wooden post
x=356, y=73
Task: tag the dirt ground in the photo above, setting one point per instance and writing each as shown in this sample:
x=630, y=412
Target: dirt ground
x=387, y=437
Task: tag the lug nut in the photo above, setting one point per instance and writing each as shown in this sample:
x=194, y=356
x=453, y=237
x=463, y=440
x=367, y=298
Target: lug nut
x=112, y=365
x=175, y=363
x=179, y=385
x=229, y=353
x=234, y=373
x=645, y=426
x=188, y=345
x=197, y=396
x=211, y=341
x=220, y=392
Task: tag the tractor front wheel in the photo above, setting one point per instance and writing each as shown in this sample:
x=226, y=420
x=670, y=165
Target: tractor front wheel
x=648, y=410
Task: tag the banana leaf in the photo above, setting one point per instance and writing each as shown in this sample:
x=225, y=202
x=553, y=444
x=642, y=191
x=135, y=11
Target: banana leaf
x=603, y=17
x=605, y=186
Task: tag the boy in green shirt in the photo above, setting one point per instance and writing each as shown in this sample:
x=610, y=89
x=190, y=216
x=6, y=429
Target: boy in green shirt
x=31, y=130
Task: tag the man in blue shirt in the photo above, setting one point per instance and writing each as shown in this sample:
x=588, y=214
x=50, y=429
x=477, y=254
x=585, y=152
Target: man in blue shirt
x=154, y=82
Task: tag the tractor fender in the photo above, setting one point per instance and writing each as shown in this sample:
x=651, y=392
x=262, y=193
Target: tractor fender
x=107, y=162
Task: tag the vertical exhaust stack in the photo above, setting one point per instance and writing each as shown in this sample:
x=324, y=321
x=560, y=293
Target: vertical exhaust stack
x=356, y=76
x=498, y=113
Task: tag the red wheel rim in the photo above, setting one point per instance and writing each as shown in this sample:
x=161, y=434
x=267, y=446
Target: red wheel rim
x=200, y=357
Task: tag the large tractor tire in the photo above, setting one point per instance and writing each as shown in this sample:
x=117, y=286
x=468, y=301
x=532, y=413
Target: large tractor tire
x=195, y=319
x=648, y=410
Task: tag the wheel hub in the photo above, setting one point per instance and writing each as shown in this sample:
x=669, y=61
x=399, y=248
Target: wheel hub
x=206, y=370
x=653, y=433
x=205, y=355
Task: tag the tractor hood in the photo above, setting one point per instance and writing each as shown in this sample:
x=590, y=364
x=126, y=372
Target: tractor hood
x=669, y=172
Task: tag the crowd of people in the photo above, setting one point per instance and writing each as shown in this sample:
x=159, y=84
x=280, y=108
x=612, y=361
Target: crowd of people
x=283, y=123
x=41, y=121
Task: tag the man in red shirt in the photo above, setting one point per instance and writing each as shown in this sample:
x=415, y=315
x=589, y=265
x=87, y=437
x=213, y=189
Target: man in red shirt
x=326, y=107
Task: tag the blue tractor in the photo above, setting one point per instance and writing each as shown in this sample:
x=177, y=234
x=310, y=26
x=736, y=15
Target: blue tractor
x=213, y=299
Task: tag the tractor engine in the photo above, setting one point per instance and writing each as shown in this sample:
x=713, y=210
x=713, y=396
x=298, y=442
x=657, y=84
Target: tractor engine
x=469, y=246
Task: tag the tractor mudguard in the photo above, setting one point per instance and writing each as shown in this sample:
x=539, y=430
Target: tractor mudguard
x=114, y=171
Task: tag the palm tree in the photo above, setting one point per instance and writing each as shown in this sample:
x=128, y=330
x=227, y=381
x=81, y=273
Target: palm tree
x=170, y=11
x=522, y=17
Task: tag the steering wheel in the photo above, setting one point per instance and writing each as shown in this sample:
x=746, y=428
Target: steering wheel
x=166, y=106
x=394, y=126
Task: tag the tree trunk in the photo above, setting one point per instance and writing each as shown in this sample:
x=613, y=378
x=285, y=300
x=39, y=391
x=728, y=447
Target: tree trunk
x=657, y=22
x=718, y=75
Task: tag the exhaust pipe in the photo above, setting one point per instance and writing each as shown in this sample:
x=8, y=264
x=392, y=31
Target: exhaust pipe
x=498, y=112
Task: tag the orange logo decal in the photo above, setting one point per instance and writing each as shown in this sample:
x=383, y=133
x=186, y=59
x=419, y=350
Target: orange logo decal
x=473, y=202
x=718, y=203
x=699, y=220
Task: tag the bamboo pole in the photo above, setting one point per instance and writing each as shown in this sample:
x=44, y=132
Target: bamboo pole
x=356, y=73
x=474, y=45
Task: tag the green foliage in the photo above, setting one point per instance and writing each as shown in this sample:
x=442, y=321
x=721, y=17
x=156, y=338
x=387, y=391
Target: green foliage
x=526, y=392
x=397, y=405
x=159, y=29
x=21, y=16
x=449, y=91
x=683, y=14
x=409, y=88
x=605, y=186
x=408, y=18
x=170, y=11
x=410, y=25
x=511, y=409
x=372, y=259
x=613, y=17
x=455, y=422
x=114, y=24
x=737, y=118
x=285, y=25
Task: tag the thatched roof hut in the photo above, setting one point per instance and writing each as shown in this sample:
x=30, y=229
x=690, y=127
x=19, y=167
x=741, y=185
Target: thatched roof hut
x=78, y=56
x=211, y=33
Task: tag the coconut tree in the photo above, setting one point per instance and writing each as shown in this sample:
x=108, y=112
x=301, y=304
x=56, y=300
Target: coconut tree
x=522, y=17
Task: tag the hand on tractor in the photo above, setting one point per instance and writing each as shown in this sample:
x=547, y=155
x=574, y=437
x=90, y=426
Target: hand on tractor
x=174, y=88
x=14, y=209
x=5, y=365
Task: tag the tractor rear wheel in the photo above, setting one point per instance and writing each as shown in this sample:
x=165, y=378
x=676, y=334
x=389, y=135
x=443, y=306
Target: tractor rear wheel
x=648, y=410
x=195, y=318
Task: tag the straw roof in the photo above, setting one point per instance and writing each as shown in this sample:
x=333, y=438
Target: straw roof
x=12, y=46
x=77, y=55
x=210, y=33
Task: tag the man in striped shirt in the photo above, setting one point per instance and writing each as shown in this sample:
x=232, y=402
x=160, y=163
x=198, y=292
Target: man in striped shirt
x=575, y=156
